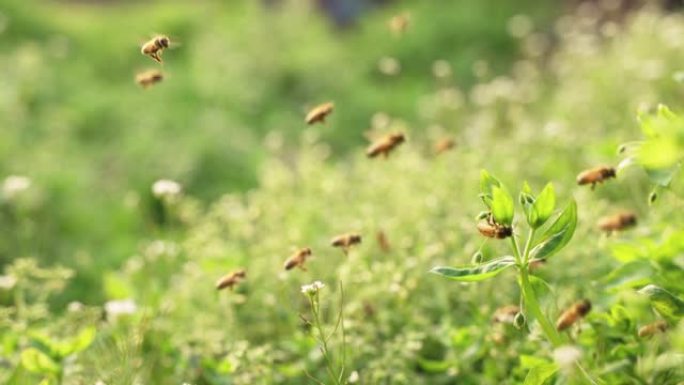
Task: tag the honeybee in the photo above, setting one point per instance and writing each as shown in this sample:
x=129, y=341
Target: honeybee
x=319, y=113
x=398, y=24
x=383, y=242
x=231, y=279
x=385, y=145
x=595, y=175
x=346, y=241
x=617, y=222
x=505, y=314
x=491, y=229
x=652, y=328
x=298, y=259
x=154, y=47
x=149, y=78
x=573, y=314
x=443, y=145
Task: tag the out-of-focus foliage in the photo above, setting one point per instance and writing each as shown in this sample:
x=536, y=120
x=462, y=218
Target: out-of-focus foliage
x=556, y=112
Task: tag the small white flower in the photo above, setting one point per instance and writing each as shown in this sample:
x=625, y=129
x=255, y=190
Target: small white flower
x=312, y=288
x=7, y=282
x=353, y=377
x=117, y=308
x=75, y=306
x=566, y=356
x=14, y=185
x=166, y=188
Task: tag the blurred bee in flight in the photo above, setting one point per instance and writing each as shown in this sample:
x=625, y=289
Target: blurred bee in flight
x=617, y=222
x=491, y=229
x=573, y=314
x=149, y=78
x=399, y=24
x=652, y=329
x=298, y=259
x=319, y=113
x=346, y=241
x=443, y=145
x=231, y=280
x=595, y=175
x=154, y=47
x=385, y=145
x=383, y=241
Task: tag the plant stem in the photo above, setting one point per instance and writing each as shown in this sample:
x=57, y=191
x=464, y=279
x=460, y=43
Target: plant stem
x=323, y=339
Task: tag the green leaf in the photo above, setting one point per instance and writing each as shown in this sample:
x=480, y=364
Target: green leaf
x=662, y=176
x=540, y=374
x=36, y=361
x=77, y=343
x=487, y=181
x=558, y=234
x=477, y=273
x=544, y=205
x=664, y=302
x=502, y=206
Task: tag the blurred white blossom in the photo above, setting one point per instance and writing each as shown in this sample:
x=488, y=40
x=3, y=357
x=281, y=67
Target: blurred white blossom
x=312, y=288
x=14, y=185
x=567, y=356
x=7, y=282
x=116, y=308
x=166, y=188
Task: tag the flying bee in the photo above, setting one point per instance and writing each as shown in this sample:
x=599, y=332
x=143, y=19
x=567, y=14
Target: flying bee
x=385, y=145
x=298, y=259
x=319, y=113
x=573, y=314
x=154, y=47
x=149, y=78
x=398, y=24
x=505, y=314
x=346, y=241
x=652, y=329
x=443, y=145
x=231, y=279
x=595, y=175
x=617, y=222
x=383, y=242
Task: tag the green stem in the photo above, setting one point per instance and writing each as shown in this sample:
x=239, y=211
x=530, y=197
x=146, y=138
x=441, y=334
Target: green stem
x=323, y=339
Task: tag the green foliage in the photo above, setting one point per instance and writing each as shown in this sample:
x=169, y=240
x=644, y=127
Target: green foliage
x=478, y=273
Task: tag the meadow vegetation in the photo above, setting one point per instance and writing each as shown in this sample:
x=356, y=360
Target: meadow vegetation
x=107, y=278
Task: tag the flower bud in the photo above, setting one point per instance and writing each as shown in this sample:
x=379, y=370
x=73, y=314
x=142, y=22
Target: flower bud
x=519, y=321
x=477, y=258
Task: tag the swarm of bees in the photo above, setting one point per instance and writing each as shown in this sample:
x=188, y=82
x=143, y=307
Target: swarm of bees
x=617, y=222
x=491, y=229
x=154, y=47
x=346, y=241
x=149, y=78
x=230, y=280
x=298, y=259
x=443, y=145
x=385, y=145
x=652, y=329
x=319, y=113
x=573, y=314
x=595, y=175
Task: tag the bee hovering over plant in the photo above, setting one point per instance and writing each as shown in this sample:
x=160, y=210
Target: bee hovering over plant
x=298, y=259
x=319, y=113
x=231, y=280
x=443, y=145
x=595, y=175
x=491, y=229
x=155, y=46
x=149, y=78
x=399, y=24
x=618, y=222
x=346, y=241
x=573, y=314
x=652, y=329
x=385, y=145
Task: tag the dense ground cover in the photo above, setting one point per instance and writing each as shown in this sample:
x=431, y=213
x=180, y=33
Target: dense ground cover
x=555, y=112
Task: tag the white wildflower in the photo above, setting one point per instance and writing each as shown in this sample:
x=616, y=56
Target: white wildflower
x=75, y=307
x=14, y=185
x=7, y=282
x=166, y=188
x=567, y=356
x=118, y=308
x=312, y=288
x=353, y=377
